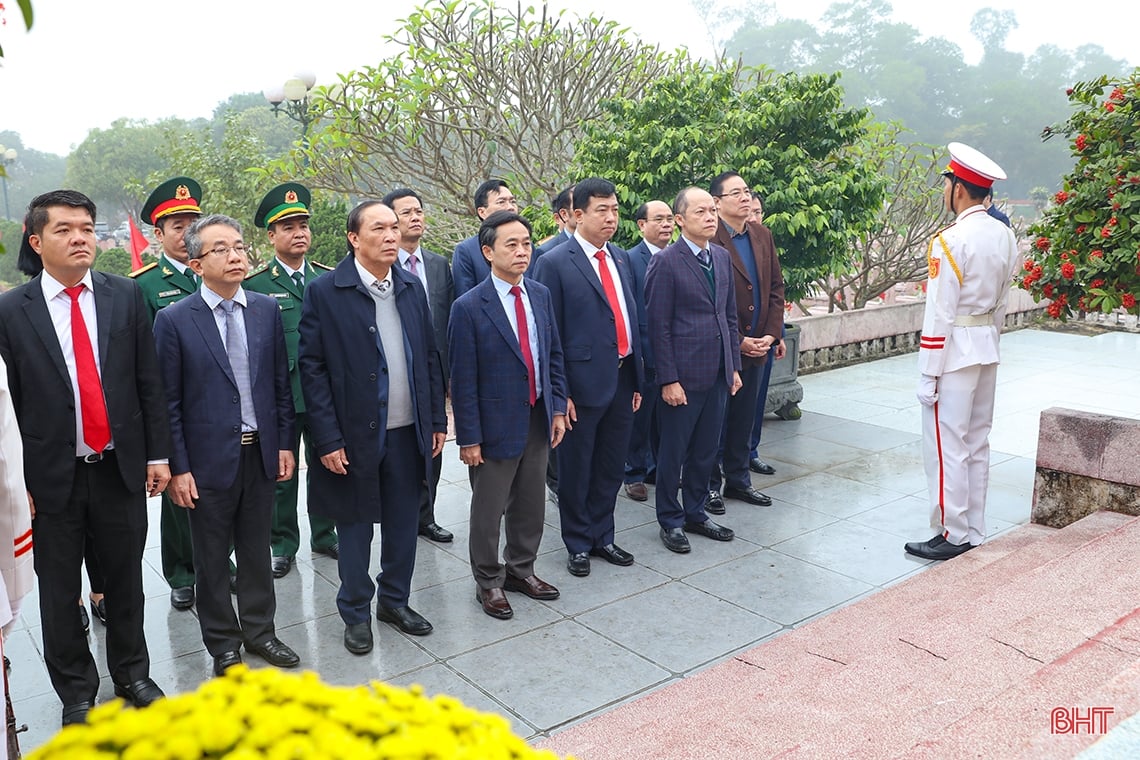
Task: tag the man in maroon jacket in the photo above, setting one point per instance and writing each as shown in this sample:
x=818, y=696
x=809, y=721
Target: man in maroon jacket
x=759, y=287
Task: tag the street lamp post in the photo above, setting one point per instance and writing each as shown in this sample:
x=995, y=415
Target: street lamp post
x=292, y=99
x=7, y=158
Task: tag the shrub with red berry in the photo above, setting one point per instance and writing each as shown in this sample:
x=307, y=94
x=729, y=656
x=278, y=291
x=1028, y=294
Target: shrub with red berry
x=1086, y=254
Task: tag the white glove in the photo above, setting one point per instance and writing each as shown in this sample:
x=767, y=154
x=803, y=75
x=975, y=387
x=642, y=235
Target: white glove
x=927, y=390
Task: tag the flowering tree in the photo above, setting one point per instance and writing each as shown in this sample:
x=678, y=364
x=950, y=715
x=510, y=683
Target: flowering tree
x=1086, y=253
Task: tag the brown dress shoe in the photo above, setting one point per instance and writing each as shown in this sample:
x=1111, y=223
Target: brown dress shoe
x=637, y=491
x=532, y=586
x=494, y=603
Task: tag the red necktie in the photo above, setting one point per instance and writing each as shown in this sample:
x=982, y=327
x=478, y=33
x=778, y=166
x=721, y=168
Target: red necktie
x=615, y=305
x=92, y=406
x=524, y=341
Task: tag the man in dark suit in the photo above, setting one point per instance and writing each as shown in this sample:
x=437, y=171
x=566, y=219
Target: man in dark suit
x=692, y=324
x=468, y=267
x=563, y=209
x=655, y=221
x=284, y=214
x=85, y=385
x=371, y=375
x=510, y=411
x=434, y=273
x=591, y=287
x=759, y=291
x=226, y=372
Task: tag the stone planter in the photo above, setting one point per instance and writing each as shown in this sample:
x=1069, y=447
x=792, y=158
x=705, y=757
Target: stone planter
x=784, y=390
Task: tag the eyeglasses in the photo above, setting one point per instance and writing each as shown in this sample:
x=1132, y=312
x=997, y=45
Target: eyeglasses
x=224, y=250
x=737, y=194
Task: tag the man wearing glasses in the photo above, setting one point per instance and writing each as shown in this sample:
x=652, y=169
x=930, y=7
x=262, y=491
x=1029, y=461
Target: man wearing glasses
x=759, y=290
x=655, y=221
x=226, y=372
x=468, y=267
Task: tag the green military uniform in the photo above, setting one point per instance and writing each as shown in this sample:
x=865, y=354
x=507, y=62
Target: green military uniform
x=162, y=284
x=285, y=201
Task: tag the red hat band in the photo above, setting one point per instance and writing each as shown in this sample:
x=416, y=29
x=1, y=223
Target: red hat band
x=967, y=174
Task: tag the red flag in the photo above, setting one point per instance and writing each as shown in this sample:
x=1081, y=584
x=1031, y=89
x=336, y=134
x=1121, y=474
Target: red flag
x=138, y=245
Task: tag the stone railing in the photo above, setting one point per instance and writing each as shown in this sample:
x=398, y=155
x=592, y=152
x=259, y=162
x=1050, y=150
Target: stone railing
x=835, y=340
x=1085, y=462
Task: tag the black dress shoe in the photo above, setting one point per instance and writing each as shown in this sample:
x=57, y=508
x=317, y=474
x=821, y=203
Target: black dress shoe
x=84, y=620
x=358, y=638
x=709, y=529
x=280, y=566
x=749, y=494
x=675, y=540
x=329, y=551
x=140, y=693
x=182, y=598
x=433, y=532
x=613, y=554
x=76, y=713
x=225, y=660
x=406, y=619
x=714, y=504
x=579, y=564
x=276, y=652
x=937, y=548
x=99, y=610
x=760, y=467
x=494, y=603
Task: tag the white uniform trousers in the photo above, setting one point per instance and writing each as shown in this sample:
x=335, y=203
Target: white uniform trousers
x=956, y=452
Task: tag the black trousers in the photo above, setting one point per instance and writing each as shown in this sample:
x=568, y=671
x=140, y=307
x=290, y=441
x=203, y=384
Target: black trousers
x=103, y=512
x=240, y=516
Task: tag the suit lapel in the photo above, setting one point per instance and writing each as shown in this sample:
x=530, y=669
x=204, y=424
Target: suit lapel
x=694, y=266
x=582, y=262
x=38, y=314
x=254, y=338
x=346, y=276
x=104, y=308
x=204, y=320
x=493, y=308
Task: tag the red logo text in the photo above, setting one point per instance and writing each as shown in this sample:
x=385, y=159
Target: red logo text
x=1079, y=720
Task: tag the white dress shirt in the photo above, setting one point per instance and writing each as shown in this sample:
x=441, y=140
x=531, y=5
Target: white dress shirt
x=503, y=288
x=615, y=275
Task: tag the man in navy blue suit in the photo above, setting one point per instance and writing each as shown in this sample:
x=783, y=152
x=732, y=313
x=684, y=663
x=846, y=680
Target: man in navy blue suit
x=692, y=324
x=655, y=221
x=591, y=287
x=468, y=267
x=373, y=384
x=509, y=400
x=226, y=371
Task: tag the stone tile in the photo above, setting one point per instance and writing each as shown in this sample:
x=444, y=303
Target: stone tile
x=303, y=594
x=660, y=625
x=870, y=555
x=824, y=492
x=896, y=470
x=908, y=518
x=863, y=436
x=436, y=565
x=170, y=633
x=605, y=584
x=842, y=406
x=320, y=643
x=440, y=679
x=1010, y=504
x=462, y=626
x=807, y=451
x=41, y=713
x=24, y=648
x=778, y=587
x=766, y=526
x=547, y=686
x=645, y=543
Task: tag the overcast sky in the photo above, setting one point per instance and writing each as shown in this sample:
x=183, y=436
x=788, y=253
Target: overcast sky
x=87, y=62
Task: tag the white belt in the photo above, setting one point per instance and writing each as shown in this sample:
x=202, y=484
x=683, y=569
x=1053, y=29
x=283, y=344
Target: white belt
x=974, y=320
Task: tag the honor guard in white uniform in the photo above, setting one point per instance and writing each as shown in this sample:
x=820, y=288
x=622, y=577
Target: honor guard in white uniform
x=971, y=265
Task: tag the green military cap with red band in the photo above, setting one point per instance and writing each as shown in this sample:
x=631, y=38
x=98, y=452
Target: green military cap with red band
x=180, y=195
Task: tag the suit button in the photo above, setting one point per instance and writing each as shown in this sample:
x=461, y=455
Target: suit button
x=237, y=400
x=750, y=287
x=237, y=428
x=372, y=425
x=751, y=308
x=372, y=376
x=372, y=329
x=71, y=444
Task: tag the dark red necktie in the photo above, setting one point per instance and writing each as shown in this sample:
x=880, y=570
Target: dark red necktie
x=615, y=305
x=92, y=406
x=524, y=341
